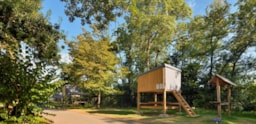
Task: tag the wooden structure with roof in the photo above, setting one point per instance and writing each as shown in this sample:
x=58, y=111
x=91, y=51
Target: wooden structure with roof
x=220, y=81
x=162, y=80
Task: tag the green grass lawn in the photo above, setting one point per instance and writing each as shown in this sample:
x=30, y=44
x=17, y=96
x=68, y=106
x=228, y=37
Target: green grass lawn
x=152, y=117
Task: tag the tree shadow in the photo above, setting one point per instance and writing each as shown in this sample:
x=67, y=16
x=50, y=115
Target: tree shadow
x=116, y=112
x=127, y=112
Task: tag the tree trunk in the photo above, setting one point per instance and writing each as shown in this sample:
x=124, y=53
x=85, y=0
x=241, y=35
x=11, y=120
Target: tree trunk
x=158, y=51
x=148, y=61
x=233, y=73
x=148, y=56
x=99, y=98
x=211, y=58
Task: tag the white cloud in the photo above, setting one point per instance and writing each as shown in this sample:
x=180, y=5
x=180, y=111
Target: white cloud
x=65, y=58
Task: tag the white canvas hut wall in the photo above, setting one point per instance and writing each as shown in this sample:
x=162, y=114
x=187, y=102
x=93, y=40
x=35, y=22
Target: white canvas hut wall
x=155, y=79
x=172, y=78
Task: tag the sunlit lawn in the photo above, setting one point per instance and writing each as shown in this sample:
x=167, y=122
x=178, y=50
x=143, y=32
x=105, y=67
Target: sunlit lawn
x=152, y=117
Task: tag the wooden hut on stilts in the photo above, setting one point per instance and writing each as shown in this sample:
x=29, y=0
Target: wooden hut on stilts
x=162, y=80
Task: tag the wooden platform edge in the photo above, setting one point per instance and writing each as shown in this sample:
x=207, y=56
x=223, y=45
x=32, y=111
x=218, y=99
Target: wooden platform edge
x=159, y=107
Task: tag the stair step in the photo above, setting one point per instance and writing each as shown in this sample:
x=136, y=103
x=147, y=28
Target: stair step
x=184, y=104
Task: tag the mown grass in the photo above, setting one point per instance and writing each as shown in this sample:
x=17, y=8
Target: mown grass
x=152, y=116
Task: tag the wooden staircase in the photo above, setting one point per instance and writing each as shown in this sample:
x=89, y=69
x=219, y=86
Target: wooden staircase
x=184, y=104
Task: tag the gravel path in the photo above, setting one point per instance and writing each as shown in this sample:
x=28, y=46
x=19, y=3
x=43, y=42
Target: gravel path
x=72, y=117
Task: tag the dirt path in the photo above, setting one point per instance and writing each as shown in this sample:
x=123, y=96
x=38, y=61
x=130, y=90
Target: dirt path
x=73, y=117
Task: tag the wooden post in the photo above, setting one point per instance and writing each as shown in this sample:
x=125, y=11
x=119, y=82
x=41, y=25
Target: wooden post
x=229, y=101
x=164, y=91
x=164, y=101
x=218, y=98
x=138, y=102
x=179, y=107
x=155, y=99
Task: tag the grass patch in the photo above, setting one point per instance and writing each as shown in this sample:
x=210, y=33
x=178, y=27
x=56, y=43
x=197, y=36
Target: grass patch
x=152, y=116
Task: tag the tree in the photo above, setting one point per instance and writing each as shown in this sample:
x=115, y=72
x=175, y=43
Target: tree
x=94, y=64
x=239, y=64
x=205, y=38
x=21, y=21
x=243, y=35
x=144, y=39
x=199, y=47
x=96, y=12
x=217, y=42
x=151, y=27
x=153, y=33
x=216, y=29
x=28, y=56
x=26, y=83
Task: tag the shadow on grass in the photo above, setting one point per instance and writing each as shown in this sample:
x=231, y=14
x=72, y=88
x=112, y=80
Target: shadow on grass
x=152, y=116
x=131, y=112
x=115, y=112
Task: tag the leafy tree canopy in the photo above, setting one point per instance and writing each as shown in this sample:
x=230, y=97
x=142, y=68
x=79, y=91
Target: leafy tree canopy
x=97, y=12
x=94, y=64
x=28, y=53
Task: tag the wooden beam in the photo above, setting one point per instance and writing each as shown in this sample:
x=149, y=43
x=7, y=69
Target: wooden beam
x=160, y=103
x=179, y=107
x=164, y=102
x=152, y=107
x=138, y=102
x=228, y=98
x=164, y=93
x=155, y=99
x=218, y=97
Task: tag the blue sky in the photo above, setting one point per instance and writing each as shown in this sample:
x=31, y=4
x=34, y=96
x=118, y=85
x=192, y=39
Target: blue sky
x=75, y=28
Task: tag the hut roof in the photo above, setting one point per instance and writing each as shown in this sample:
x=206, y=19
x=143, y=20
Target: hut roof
x=222, y=80
x=162, y=66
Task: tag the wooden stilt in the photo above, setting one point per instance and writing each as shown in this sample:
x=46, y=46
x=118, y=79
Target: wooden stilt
x=218, y=98
x=155, y=99
x=138, y=102
x=164, y=92
x=179, y=108
x=229, y=101
x=164, y=102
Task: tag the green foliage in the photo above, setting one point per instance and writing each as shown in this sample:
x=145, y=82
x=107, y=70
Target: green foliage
x=216, y=43
x=154, y=33
x=96, y=12
x=244, y=97
x=198, y=44
x=205, y=46
x=143, y=41
x=94, y=66
x=243, y=38
x=21, y=21
x=25, y=85
x=149, y=30
x=28, y=59
x=94, y=62
x=24, y=120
